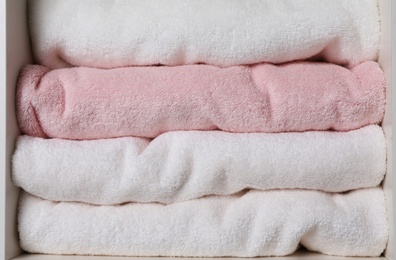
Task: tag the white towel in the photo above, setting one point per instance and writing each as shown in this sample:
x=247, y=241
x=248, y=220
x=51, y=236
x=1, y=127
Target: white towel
x=178, y=166
x=112, y=33
x=266, y=223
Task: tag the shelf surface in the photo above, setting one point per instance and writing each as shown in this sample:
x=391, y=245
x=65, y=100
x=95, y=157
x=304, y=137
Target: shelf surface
x=298, y=255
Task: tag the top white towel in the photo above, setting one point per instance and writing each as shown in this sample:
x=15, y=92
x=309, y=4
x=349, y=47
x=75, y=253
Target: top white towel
x=111, y=33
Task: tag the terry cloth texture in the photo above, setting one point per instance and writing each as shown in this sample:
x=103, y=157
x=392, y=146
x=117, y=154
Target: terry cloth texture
x=87, y=103
x=179, y=166
x=68, y=33
x=266, y=223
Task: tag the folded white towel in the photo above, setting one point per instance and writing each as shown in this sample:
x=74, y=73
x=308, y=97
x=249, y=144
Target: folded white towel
x=252, y=224
x=178, y=166
x=111, y=33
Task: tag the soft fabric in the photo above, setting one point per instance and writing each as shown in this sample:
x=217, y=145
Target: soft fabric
x=179, y=166
x=254, y=223
x=87, y=103
x=113, y=33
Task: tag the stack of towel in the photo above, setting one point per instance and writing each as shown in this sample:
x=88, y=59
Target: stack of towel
x=202, y=128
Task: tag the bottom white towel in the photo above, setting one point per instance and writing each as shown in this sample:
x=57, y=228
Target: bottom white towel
x=253, y=223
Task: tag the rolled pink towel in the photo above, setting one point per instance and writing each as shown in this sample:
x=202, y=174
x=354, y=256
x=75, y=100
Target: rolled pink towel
x=87, y=103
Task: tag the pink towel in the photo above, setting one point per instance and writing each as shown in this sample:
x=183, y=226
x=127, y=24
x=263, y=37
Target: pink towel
x=87, y=103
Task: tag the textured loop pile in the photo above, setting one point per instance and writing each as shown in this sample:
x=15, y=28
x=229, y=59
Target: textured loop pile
x=112, y=33
x=86, y=103
x=202, y=128
x=248, y=225
x=179, y=166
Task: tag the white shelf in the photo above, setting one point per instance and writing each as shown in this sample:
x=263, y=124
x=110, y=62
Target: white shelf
x=296, y=256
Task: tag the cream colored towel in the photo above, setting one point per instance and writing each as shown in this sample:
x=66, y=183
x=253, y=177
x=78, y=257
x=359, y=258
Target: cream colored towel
x=270, y=223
